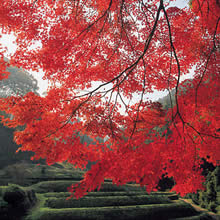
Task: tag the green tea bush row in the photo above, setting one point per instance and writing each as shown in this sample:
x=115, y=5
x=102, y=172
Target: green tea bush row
x=141, y=212
x=109, y=187
x=62, y=185
x=105, y=201
x=120, y=193
x=52, y=186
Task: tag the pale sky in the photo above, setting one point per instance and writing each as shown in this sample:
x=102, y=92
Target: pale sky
x=8, y=41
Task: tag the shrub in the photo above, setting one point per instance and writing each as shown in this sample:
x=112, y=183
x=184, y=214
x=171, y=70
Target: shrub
x=14, y=194
x=43, y=170
x=19, y=198
x=203, y=199
x=208, y=199
x=217, y=175
x=195, y=198
x=2, y=188
x=203, y=204
x=211, y=190
x=31, y=196
x=2, y=203
x=212, y=206
x=211, y=193
x=165, y=183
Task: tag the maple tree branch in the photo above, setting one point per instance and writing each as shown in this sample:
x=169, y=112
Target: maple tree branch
x=128, y=69
x=115, y=49
x=116, y=99
x=132, y=66
x=126, y=106
x=200, y=7
x=171, y=102
x=70, y=117
x=139, y=104
x=178, y=64
x=147, y=44
x=96, y=21
x=87, y=30
x=208, y=59
x=201, y=133
x=178, y=80
x=134, y=22
x=143, y=4
x=196, y=131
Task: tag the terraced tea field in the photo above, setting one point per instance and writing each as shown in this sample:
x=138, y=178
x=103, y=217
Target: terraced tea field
x=110, y=203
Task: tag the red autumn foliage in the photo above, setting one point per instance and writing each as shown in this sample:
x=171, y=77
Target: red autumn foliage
x=127, y=47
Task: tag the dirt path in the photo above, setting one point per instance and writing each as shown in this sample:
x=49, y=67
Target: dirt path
x=199, y=209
